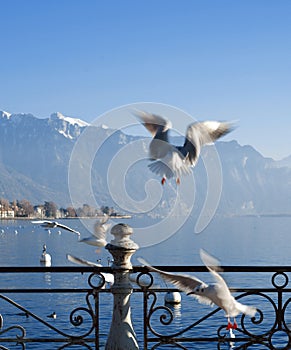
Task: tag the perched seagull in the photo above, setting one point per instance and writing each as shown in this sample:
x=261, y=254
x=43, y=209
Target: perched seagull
x=98, y=238
x=172, y=160
x=54, y=224
x=217, y=293
x=108, y=277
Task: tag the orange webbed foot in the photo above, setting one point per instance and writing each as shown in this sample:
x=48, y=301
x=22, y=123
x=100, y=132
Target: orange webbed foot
x=229, y=326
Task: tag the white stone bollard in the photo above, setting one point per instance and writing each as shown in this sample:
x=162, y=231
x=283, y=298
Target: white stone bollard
x=121, y=335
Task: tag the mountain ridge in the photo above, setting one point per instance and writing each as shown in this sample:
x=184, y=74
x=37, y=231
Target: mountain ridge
x=35, y=155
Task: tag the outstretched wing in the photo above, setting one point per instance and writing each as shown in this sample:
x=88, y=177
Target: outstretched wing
x=102, y=219
x=183, y=282
x=227, y=301
x=153, y=122
x=80, y=261
x=67, y=228
x=53, y=224
x=108, y=277
x=201, y=133
x=44, y=223
x=213, y=266
x=100, y=230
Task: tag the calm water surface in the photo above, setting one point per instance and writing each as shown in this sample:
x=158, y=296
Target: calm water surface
x=235, y=241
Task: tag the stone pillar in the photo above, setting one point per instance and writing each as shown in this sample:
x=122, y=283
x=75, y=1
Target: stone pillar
x=121, y=335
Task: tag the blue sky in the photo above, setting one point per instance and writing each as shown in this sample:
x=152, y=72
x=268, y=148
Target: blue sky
x=215, y=59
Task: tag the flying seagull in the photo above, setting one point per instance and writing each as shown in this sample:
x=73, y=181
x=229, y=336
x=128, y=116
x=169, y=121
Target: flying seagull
x=54, y=224
x=169, y=160
x=210, y=294
x=98, y=238
x=108, y=277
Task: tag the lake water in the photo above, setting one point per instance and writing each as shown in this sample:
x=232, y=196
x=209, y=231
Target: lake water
x=234, y=241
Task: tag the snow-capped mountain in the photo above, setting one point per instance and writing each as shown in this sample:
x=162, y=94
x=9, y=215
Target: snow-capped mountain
x=35, y=155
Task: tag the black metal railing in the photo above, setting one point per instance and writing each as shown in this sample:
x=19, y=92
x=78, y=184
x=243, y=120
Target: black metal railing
x=187, y=326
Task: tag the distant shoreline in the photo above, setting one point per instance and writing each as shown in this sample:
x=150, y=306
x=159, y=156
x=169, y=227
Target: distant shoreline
x=70, y=217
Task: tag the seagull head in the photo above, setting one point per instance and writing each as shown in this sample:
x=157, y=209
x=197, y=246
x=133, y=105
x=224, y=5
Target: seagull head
x=197, y=290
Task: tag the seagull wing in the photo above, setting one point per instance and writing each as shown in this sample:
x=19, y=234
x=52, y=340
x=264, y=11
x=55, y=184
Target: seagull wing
x=153, y=122
x=222, y=295
x=39, y=222
x=80, y=261
x=213, y=267
x=102, y=220
x=92, y=240
x=201, y=133
x=53, y=224
x=100, y=230
x=44, y=223
x=67, y=228
x=182, y=282
x=108, y=277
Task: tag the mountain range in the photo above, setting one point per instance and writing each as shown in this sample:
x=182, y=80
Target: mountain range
x=35, y=156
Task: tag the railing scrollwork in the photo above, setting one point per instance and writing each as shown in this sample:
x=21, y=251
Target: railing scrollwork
x=163, y=324
x=268, y=328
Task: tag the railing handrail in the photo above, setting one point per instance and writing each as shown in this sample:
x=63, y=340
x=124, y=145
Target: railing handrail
x=135, y=269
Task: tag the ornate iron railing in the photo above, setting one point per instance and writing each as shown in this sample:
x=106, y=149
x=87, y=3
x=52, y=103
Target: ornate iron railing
x=194, y=327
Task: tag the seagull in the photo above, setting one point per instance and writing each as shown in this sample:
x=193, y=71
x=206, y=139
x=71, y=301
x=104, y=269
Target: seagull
x=169, y=160
x=98, y=238
x=108, y=277
x=54, y=224
x=45, y=257
x=217, y=293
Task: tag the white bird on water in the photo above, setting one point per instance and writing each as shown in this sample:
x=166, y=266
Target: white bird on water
x=217, y=293
x=98, y=238
x=54, y=224
x=170, y=160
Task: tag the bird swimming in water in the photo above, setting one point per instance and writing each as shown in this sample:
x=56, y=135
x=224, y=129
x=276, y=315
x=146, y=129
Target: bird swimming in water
x=169, y=160
x=217, y=293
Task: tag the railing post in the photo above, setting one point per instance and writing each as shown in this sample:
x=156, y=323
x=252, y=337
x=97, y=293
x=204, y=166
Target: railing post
x=121, y=335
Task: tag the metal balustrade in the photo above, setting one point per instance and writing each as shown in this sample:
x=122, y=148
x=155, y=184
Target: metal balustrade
x=200, y=327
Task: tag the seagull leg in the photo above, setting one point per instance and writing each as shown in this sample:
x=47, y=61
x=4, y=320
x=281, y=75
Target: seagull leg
x=229, y=325
x=178, y=181
x=163, y=180
x=234, y=326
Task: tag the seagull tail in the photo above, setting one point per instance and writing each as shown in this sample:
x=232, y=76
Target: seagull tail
x=246, y=309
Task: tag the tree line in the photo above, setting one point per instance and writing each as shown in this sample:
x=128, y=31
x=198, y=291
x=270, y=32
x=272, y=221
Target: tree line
x=23, y=208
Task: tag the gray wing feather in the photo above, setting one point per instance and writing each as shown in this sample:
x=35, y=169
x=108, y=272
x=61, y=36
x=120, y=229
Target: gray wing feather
x=53, y=224
x=213, y=266
x=201, y=133
x=67, y=228
x=182, y=282
x=152, y=122
x=80, y=261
